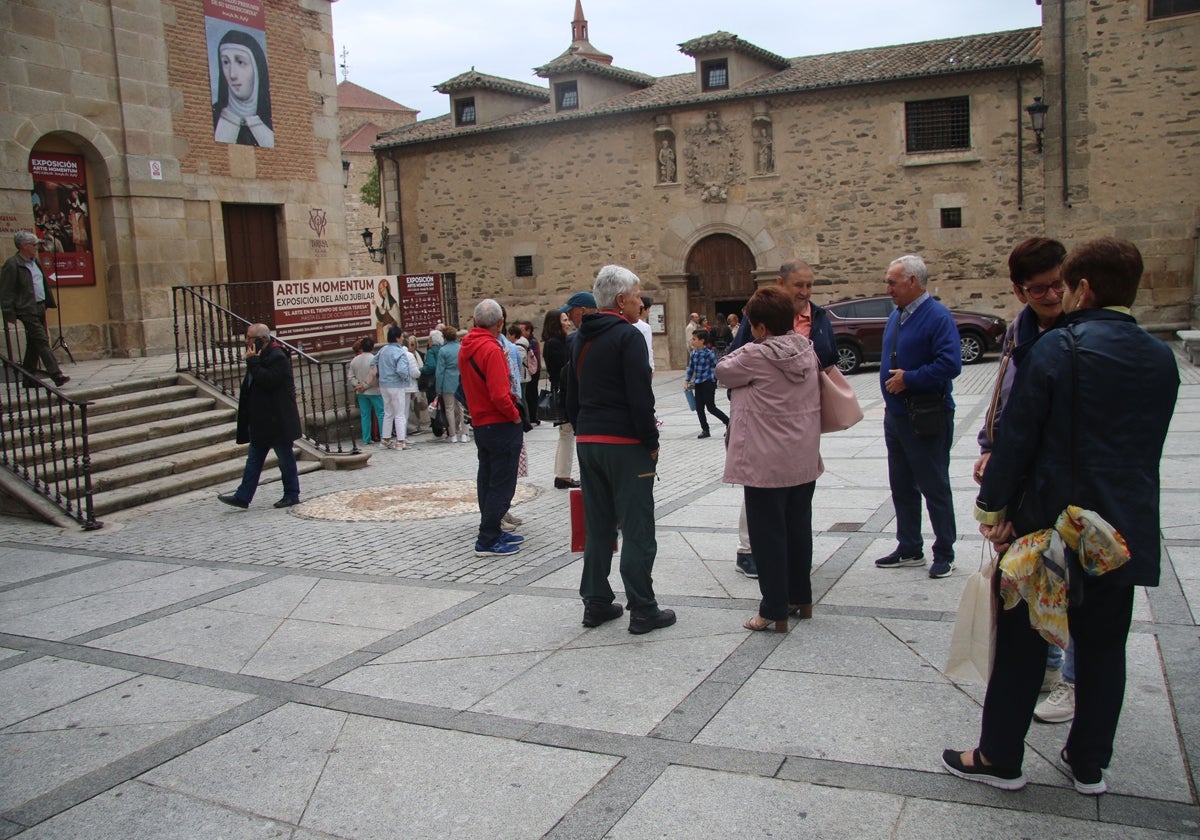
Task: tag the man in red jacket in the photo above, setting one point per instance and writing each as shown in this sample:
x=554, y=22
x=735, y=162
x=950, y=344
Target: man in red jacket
x=483, y=370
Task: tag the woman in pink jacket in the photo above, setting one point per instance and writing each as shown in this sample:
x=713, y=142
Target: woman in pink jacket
x=774, y=452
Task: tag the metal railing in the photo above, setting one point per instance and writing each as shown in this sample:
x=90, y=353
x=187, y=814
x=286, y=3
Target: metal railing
x=210, y=327
x=44, y=442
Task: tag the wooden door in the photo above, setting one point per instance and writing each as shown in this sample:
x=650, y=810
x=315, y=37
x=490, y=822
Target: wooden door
x=252, y=256
x=720, y=272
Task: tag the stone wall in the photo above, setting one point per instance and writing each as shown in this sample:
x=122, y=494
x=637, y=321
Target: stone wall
x=1132, y=153
x=844, y=196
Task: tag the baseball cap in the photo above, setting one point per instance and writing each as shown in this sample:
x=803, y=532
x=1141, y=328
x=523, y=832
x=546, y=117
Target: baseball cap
x=584, y=299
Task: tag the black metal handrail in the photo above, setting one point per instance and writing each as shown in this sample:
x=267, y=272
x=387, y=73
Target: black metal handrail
x=210, y=325
x=44, y=442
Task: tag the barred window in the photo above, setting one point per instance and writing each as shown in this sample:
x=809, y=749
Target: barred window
x=1170, y=8
x=566, y=96
x=523, y=266
x=714, y=75
x=936, y=125
x=951, y=217
x=464, y=111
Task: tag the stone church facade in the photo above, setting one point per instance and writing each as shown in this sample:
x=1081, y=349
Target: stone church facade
x=128, y=86
x=703, y=183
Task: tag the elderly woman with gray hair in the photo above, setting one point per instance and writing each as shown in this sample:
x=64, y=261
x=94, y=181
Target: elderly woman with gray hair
x=610, y=403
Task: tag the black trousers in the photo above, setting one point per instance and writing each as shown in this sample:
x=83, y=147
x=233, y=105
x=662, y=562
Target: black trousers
x=37, y=342
x=780, y=523
x=1099, y=630
x=706, y=393
x=530, y=389
x=498, y=446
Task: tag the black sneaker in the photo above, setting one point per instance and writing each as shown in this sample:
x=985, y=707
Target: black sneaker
x=596, y=614
x=747, y=566
x=1005, y=778
x=703, y=435
x=895, y=561
x=644, y=622
x=1088, y=778
x=940, y=569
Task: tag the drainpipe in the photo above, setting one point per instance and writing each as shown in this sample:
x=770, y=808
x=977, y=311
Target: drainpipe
x=1020, y=148
x=1195, y=313
x=391, y=154
x=1062, y=97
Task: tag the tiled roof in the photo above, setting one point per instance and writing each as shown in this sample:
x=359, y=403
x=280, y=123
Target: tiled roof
x=352, y=96
x=579, y=64
x=362, y=138
x=948, y=56
x=474, y=80
x=722, y=41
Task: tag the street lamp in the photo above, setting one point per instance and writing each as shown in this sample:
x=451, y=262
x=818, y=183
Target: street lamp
x=369, y=239
x=1037, y=116
x=345, y=173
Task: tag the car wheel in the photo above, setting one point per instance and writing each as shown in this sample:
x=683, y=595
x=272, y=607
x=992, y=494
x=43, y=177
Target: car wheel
x=849, y=358
x=972, y=347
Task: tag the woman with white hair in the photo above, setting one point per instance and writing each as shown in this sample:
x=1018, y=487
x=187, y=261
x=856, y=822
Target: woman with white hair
x=610, y=402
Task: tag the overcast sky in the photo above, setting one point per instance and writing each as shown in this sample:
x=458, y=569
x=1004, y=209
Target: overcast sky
x=402, y=48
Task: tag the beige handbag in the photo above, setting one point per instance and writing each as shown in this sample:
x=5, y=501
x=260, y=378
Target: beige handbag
x=973, y=641
x=839, y=407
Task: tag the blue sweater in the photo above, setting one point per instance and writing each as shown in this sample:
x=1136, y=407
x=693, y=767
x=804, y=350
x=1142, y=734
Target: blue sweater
x=928, y=351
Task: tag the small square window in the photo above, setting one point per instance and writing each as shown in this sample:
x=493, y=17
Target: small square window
x=566, y=96
x=714, y=75
x=464, y=111
x=523, y=266
x=951, y=217
x=1170, y=8
x=938, y=125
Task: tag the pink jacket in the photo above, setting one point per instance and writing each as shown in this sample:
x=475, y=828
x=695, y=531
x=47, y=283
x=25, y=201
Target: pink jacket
x=775, y=413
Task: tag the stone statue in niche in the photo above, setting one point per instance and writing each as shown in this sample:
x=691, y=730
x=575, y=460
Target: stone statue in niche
x=713, y=162
x=764, y=150
x=666, y=161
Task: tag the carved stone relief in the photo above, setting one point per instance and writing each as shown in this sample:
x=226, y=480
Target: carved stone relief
x=711, y=156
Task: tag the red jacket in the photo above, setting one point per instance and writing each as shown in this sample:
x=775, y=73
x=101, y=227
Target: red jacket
x=491, y=399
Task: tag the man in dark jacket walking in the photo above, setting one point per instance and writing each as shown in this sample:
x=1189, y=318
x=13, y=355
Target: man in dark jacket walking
x=267, y=418
x=610, y=402
x=25, y=296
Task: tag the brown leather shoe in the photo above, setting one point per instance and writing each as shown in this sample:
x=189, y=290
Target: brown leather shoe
x=565, y=483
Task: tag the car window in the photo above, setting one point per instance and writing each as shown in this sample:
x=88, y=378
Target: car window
x=870, y=308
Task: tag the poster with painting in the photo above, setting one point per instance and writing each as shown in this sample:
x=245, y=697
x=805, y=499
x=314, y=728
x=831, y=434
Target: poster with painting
x=61, y=218
x=238, y=73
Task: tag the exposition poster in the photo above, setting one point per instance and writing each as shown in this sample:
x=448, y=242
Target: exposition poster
x=317, y=315
x=238, y=75
x=61, y=218
x=420, y=302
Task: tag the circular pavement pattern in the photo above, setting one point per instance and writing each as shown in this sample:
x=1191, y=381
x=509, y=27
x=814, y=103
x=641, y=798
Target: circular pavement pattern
x=394, y=502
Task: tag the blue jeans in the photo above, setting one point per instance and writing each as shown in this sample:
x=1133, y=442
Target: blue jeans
x=368, y=403
x=256, y=456
x=920, y=466
x=499, y=448
x=1056, y=659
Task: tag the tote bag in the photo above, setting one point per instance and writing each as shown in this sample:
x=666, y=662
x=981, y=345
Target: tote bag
x=973, y=642
x=839, y=407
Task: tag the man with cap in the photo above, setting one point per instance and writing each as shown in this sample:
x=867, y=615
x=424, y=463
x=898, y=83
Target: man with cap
x=25, y=296
x=577, y=305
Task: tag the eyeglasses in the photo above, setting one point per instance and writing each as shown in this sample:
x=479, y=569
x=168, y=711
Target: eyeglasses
x=1039, y=291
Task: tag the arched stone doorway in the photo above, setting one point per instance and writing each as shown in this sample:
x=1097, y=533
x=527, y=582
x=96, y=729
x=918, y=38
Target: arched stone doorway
x=720, y=275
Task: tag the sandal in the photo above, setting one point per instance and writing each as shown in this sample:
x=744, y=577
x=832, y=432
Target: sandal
x=760, y=623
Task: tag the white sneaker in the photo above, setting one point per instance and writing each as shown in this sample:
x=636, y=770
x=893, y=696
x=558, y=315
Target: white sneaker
x=1052, y=678
x=511, y=520
x=1059, y=707
x=507, y=526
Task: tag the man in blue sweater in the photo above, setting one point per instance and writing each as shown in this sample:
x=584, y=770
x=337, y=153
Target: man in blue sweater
x=921, y=357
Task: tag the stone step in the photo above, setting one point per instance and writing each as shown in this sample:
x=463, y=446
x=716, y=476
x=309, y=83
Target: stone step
x=113, y=404
x=92, y=393
x=156, y=429
x=145, y=450
x=123, y=498
x=176, y=463
x=149, y=414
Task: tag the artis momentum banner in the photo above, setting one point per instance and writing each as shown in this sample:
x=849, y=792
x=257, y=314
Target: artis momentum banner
x=61, y=219
x=237, y=72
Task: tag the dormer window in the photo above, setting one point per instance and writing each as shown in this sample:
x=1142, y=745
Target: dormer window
x=464, y=111
x=566, y=96
x=714, y=75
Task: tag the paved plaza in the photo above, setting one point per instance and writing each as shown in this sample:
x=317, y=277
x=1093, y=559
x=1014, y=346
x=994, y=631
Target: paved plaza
x=193, y=670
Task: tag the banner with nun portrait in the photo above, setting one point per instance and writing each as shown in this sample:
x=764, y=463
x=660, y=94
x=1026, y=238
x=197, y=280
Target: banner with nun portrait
x=238, y=73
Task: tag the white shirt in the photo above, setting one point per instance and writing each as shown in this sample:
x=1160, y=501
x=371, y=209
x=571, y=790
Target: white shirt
x=647, y=334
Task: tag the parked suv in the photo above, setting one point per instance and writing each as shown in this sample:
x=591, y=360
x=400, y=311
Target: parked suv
x=858, y=329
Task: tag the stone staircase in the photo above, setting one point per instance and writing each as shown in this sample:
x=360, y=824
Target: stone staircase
x=159, y=437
